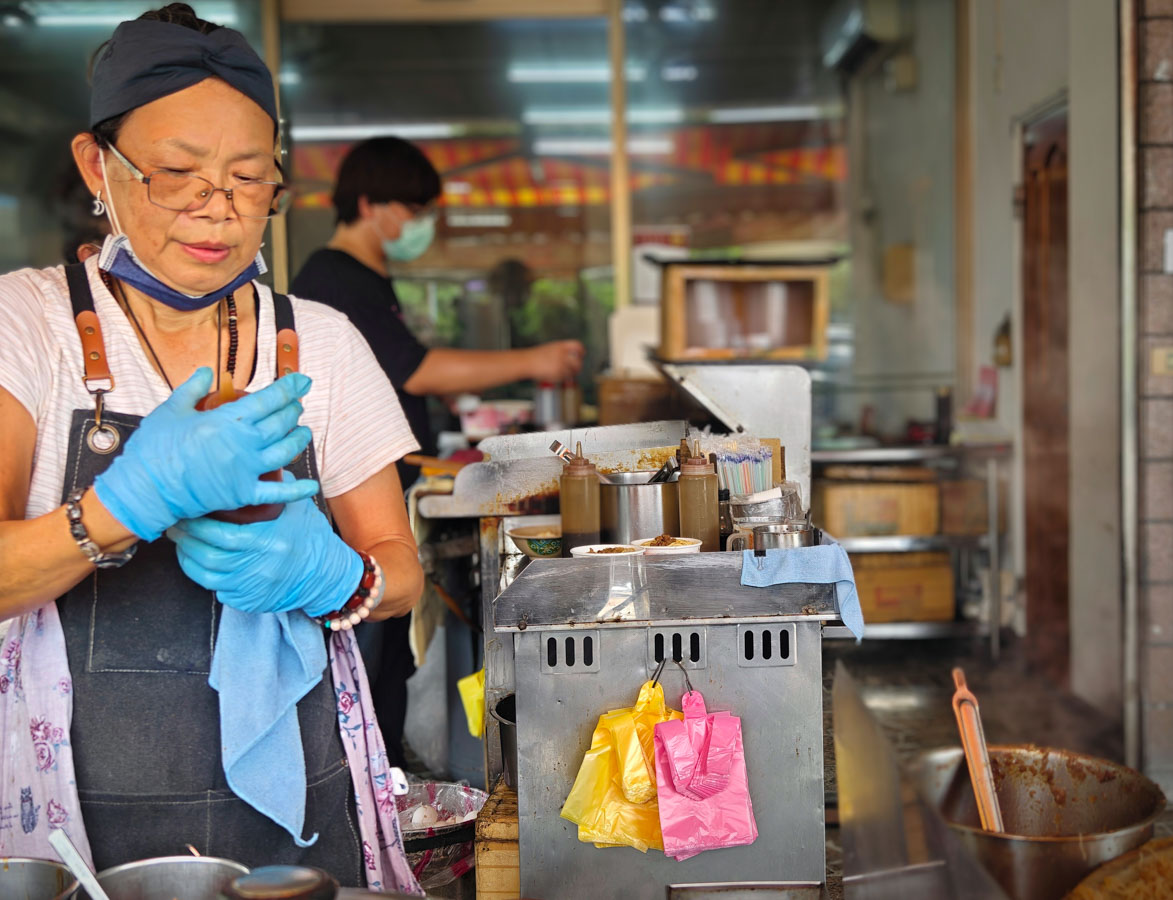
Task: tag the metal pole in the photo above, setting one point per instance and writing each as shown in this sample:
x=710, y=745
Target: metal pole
x=995, y=558
x=620, y=180
x=278, y=225
x=1129, y=516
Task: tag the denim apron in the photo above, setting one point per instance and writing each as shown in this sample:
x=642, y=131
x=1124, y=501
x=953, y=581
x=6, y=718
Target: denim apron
x=146, y=725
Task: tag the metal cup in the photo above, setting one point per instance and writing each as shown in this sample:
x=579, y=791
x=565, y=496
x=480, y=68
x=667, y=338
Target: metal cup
x=775, y=536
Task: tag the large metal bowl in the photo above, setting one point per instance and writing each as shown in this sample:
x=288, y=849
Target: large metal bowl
x=178, y=877
x=34, y=879
x=1065, y=814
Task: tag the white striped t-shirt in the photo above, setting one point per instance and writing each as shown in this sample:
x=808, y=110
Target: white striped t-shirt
x=352, y=410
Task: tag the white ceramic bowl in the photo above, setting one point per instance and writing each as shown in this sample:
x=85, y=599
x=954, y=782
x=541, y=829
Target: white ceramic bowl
x=590, y=551
x=692, y=545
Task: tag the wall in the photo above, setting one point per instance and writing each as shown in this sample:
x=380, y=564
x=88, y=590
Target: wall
x=902, y=149
x=1027, y=55
x=1155, y=439
x=1094, y=354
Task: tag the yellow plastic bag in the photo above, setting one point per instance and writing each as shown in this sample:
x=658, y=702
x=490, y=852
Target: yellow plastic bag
x=613, y=800
x=472, y=695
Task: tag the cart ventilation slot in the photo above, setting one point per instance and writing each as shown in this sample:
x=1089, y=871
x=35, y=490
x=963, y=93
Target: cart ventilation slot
x=684, y=645
x=570, y=652
x=765, y=645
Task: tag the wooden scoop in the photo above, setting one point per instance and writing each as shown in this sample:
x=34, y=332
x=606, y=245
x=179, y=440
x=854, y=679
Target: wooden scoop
x=973, y=742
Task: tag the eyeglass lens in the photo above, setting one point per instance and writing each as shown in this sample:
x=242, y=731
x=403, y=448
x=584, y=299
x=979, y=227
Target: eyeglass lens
x=187, y=193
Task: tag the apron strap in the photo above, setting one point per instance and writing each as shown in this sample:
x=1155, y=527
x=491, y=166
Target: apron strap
x=89, y=329
x=286, y=335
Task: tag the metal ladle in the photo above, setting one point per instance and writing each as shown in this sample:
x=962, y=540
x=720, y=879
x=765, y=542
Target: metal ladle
x=973, y=742
x=77, y=866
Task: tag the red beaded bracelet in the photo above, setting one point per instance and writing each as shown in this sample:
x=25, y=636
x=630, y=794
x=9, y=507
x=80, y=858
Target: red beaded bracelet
x=366, y=597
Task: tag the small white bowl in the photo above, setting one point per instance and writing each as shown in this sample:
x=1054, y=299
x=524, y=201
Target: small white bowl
x=692, y=546
x=591, y=551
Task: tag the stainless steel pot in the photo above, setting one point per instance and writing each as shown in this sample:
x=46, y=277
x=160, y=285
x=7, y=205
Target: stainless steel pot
x=34, y=879
x=178, y=877
x=1065, y=814
x=631, y=509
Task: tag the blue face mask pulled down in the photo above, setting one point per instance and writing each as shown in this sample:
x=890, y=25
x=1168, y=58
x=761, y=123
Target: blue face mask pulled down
x=119, y=260
x=414, y=239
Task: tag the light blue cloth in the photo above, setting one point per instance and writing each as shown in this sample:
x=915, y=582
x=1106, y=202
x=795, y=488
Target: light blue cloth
x=263, y=665
x=827, y=564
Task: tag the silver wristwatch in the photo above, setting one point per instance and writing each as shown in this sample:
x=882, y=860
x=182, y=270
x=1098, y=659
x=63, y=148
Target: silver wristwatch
x=92, y=551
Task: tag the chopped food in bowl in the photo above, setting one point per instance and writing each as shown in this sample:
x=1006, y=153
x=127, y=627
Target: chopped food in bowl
x=595, y=551
x=668, y=545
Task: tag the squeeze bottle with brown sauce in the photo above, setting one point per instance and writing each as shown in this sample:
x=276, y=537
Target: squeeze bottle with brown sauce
x=700, y=510
x=579, y=502
x=246, y=515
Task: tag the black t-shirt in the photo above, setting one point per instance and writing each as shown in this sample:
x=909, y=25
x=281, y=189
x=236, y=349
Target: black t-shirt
x=369, y=301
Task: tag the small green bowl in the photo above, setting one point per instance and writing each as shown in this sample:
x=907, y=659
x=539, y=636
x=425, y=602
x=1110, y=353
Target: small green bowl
x=536, y=541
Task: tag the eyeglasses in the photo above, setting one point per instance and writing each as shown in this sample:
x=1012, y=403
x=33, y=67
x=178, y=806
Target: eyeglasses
x=184, y=192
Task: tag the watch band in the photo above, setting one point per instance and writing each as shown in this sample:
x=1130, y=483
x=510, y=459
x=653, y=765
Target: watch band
x=92, y=551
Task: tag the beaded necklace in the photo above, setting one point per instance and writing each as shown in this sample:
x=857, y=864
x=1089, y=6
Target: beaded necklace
x=229, y=301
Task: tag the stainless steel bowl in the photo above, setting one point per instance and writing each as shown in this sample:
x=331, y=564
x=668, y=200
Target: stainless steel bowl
x=1065, y=814
x=178, y=877
x=34, y=879
x=630, y=508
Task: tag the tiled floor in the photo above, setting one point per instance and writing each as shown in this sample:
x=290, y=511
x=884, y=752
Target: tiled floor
x=908, y=688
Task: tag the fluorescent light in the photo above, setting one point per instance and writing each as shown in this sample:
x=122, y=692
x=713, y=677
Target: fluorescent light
x=571, y=73
x=478, y=220
x=678, y=72
x=601, y=115
x=635, y=12
x=371, y=130
x=74, y=14
x=289, y=76
x=790, y=113
x=601, y=146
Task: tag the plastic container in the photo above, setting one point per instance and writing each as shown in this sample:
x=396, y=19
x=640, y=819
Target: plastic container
x=246, y=515
x=579, y=501
x=700, y=511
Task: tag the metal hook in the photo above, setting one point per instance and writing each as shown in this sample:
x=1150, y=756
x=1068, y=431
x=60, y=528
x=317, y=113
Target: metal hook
x=659, y=670
x=684, y=671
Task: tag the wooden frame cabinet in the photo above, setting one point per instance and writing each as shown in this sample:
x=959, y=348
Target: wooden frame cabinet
x=744, y=310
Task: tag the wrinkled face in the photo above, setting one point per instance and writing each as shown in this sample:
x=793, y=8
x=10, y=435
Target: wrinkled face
x=211, y=130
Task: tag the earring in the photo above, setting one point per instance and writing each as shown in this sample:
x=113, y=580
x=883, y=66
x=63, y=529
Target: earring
x=98, y=208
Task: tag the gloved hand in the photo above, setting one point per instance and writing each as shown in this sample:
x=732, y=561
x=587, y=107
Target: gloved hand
x=295, y=561
x=180, y=463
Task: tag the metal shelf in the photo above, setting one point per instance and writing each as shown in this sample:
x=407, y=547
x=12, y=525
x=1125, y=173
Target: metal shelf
x=911, y=630
x=909, y=454
x=898, y=543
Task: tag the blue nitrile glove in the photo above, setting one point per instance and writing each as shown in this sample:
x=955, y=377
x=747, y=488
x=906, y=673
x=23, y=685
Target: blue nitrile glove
x=180, y=463
x=295, y=561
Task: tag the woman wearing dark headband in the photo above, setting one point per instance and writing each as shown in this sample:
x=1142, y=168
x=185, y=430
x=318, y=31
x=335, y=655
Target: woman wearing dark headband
x=170, y=677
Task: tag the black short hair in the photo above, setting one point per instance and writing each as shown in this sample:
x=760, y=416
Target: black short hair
x=384, y=170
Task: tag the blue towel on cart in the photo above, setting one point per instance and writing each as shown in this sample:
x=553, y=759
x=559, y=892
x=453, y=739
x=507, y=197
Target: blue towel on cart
x=827, y=564
x=263, y=665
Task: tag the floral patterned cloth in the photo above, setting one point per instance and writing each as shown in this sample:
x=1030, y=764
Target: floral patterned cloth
x=37, y=787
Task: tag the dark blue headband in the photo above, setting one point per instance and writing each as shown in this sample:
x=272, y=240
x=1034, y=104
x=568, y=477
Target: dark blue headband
x=146, y=60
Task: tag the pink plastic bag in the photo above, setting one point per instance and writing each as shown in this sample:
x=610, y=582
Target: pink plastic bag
x=701, y=780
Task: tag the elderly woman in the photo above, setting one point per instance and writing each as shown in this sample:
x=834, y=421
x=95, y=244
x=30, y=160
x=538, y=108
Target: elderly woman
x=171, y=677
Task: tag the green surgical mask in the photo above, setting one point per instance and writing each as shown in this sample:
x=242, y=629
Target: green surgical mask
x=414, y=239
